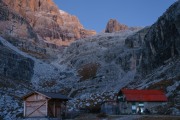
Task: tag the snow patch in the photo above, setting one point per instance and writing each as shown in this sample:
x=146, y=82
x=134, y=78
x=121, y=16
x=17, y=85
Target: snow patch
x=62, y=12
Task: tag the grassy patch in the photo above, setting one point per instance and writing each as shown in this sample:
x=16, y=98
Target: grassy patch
x=35, y=54
x=88, y=71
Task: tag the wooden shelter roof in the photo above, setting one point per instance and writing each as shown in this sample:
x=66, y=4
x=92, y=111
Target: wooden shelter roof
x=49, y=95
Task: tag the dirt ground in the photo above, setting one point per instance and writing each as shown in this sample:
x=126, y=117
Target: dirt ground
x=127, y=117
x=159, y=118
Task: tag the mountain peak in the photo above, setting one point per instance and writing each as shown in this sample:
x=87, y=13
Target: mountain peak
x=113, y=26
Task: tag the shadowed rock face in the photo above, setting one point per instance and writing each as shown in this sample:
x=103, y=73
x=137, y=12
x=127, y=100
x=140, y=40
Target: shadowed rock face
x=157, y=50
x=15, y=66
x=114, y=26
x=159, y=42
x=52, y=24
x=136, y=40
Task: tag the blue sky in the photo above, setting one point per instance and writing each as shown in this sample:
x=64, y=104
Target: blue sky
x=94, y=14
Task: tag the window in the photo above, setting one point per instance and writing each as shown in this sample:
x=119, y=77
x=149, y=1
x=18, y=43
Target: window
x=134, y=107
x=120, y=98
x=141, y=104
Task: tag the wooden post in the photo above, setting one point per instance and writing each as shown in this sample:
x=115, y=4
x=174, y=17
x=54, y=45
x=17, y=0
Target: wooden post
x=60, y=106
x=47, y=107
x=65, y=108
x=54, y=109
x=24, y=108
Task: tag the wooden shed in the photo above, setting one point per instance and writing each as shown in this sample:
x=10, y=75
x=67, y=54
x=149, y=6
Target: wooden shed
x=44, y=104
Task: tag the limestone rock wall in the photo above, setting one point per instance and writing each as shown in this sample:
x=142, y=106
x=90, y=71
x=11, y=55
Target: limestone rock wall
x=158, y=43
x=53, y=25
x=114, y=26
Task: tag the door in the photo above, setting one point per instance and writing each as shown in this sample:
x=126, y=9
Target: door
x=58, y=111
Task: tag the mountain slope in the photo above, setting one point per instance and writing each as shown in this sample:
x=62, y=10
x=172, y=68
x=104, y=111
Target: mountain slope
x=93, y=69
x=22, y=73
x=147, y=59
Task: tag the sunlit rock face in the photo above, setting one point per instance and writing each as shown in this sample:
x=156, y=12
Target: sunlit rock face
x=114, y=26
x=17, y=30
x=38, y=27
x=52, y=24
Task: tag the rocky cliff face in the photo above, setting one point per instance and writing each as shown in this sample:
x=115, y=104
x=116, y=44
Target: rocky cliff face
x=163, y=38
x=19, y=32
x=54, y=26
x=114, y=26
x=15, y=66
x=12, y=24
x=160, y=42
x=38, y=27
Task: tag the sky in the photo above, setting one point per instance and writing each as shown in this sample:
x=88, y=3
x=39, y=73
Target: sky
x=94, y=14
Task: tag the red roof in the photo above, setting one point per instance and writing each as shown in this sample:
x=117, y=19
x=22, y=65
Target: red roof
x=144, y=95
